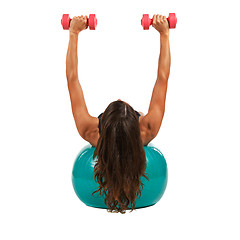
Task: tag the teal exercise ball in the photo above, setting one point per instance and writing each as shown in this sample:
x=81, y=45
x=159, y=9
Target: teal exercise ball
x=84, y=184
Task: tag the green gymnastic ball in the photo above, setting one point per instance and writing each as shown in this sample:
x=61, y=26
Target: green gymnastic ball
x=84, y=184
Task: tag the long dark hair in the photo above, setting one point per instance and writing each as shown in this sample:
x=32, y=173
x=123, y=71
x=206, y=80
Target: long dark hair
x=121, y=159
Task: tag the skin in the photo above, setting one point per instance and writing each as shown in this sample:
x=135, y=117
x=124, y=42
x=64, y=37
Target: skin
x=150, y=123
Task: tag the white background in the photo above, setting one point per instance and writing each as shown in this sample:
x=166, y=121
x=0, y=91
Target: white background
x=199, y=136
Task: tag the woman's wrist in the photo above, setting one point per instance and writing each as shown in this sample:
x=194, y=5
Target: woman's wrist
x=74, y=34
x=164, y=35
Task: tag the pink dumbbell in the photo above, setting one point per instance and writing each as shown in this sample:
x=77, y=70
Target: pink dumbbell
x=92, y=21
x=146, y=21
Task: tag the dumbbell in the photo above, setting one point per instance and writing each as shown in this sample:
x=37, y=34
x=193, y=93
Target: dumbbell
x=92, y=21
x=146, y=21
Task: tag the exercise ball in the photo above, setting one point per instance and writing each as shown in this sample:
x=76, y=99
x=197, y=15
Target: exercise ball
x=84, y=184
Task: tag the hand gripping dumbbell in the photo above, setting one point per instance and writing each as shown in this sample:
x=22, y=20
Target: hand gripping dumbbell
x=146, y=21
x=92, y=21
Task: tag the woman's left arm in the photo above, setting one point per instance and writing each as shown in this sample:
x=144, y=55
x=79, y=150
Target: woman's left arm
x=84, y=122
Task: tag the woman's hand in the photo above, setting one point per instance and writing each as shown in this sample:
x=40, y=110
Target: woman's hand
x=160, y=23
x=78, y=24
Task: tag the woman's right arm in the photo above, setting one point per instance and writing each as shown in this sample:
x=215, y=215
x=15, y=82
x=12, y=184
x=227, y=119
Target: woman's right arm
x=152, y=121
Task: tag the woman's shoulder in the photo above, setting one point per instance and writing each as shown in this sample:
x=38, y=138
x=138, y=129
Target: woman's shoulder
x=146, y=134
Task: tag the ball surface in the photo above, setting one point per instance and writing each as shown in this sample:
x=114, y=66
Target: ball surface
x=84, y=184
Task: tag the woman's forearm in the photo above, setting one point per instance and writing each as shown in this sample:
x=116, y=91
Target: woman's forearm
x=164, y=61
x=72, y=58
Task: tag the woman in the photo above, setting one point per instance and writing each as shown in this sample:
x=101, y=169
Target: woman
x=120, y=132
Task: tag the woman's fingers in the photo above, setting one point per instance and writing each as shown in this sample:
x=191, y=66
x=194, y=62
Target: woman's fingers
x=161, y=18
x=154, y=19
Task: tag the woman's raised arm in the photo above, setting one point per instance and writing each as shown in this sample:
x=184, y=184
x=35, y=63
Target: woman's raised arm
x=153, y=119
x=84, y=122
